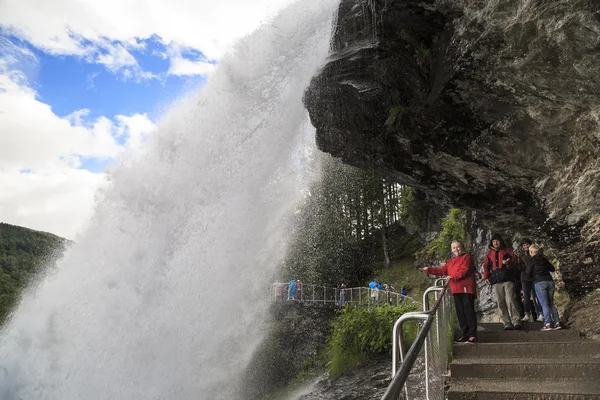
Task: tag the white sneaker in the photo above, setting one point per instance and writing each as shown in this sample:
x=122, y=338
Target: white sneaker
x=540, y=318
x=557, y=327
x=527, y=317
x=547, y=327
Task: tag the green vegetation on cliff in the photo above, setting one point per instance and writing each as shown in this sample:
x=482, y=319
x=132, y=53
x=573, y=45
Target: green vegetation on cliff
x=359, y=334
x=452, y=229
x=24, y=253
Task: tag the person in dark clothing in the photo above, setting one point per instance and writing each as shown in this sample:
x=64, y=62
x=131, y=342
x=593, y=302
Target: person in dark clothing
x=538, y=270
x=533, y=309
x=462, y=284
x=517, y=288
x=500, y=267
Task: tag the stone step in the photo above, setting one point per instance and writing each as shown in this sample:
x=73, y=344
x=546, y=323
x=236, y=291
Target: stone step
x=525, y=368
x=491, y=389
x=528, y=349
x=563, y=335
x=497, y=327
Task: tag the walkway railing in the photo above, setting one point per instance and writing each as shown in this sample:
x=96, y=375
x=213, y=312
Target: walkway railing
x=356, y=296
x=432, y=338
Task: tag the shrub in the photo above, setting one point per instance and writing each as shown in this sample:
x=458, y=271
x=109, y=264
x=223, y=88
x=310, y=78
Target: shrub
x=359, y=334
x=452, y=229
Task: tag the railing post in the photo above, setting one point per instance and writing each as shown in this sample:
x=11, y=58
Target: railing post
x=399, y=345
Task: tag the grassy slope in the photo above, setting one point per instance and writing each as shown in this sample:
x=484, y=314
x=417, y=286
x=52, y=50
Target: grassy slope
x=23, y=254
x=404, y=273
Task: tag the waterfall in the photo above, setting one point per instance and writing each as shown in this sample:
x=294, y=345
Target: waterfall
x=162, y=296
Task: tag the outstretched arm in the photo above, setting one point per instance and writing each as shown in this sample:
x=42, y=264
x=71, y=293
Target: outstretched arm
x=436, y=271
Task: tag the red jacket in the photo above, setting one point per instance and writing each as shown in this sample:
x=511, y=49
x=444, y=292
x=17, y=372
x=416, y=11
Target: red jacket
x=495, y=271
x=460, y=271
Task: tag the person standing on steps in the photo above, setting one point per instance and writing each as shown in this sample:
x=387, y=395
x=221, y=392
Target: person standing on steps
x=501, y=265
x=461, y=279
x=538, y=270
x=532, y=306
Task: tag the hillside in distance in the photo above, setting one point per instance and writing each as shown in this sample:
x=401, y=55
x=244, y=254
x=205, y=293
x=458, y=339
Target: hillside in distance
x=24, y=254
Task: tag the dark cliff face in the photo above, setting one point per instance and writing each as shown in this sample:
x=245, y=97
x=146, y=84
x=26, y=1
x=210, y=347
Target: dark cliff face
x=491, y=106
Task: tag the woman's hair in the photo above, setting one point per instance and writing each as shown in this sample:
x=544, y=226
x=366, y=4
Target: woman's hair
x=534, y=248
x=459, y=242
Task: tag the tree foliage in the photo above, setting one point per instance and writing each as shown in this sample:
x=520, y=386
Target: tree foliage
x=342, y=227
x=414, y=210
x=23, y=254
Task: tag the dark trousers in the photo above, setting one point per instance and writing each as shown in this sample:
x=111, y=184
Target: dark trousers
x=465, y=311
x=517, y=287
x=531, y=304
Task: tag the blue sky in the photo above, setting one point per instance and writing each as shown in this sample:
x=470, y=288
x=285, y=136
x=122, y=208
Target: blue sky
x=69, y=83
x=84, y=81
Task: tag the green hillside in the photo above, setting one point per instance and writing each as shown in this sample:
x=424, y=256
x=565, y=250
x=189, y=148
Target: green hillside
x=24, y=253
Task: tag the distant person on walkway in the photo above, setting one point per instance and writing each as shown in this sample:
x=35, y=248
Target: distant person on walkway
x=403, y=294
x=388, y=294
x=342, y=288
x=299, y=289
x=533, y=308
x=500, y=268
x=375, y=294
x=462, y=284
x=292, y=290
x=538, y=270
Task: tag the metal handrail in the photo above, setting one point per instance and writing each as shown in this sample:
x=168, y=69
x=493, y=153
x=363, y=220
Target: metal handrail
x=335, y=295
x=398, y=347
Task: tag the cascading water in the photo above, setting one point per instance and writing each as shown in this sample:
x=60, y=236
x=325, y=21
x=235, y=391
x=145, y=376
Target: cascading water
x=161, y=298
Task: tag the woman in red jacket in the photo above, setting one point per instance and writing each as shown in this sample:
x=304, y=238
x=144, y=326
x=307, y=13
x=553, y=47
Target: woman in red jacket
x=461, y=277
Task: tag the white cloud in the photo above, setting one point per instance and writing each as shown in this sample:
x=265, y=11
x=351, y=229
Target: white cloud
x=181, y=66
x=41, y=184
x=137, y=129
x=116, y=58
x=60, y=202
x=33, y=137
x=103, y=31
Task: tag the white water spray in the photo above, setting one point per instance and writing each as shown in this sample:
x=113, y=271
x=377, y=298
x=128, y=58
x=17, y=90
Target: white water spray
x=158, y=299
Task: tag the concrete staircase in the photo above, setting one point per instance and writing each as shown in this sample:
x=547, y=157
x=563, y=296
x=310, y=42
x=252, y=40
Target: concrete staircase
x=527, y=364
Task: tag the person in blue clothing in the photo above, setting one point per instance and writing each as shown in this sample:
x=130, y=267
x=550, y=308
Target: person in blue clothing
x=292, y=290
x=403, y=293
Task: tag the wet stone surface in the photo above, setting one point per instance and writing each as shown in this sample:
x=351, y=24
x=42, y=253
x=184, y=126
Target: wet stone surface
x=368, y=382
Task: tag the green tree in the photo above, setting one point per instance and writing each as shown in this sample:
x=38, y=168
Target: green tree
x=341, y=226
